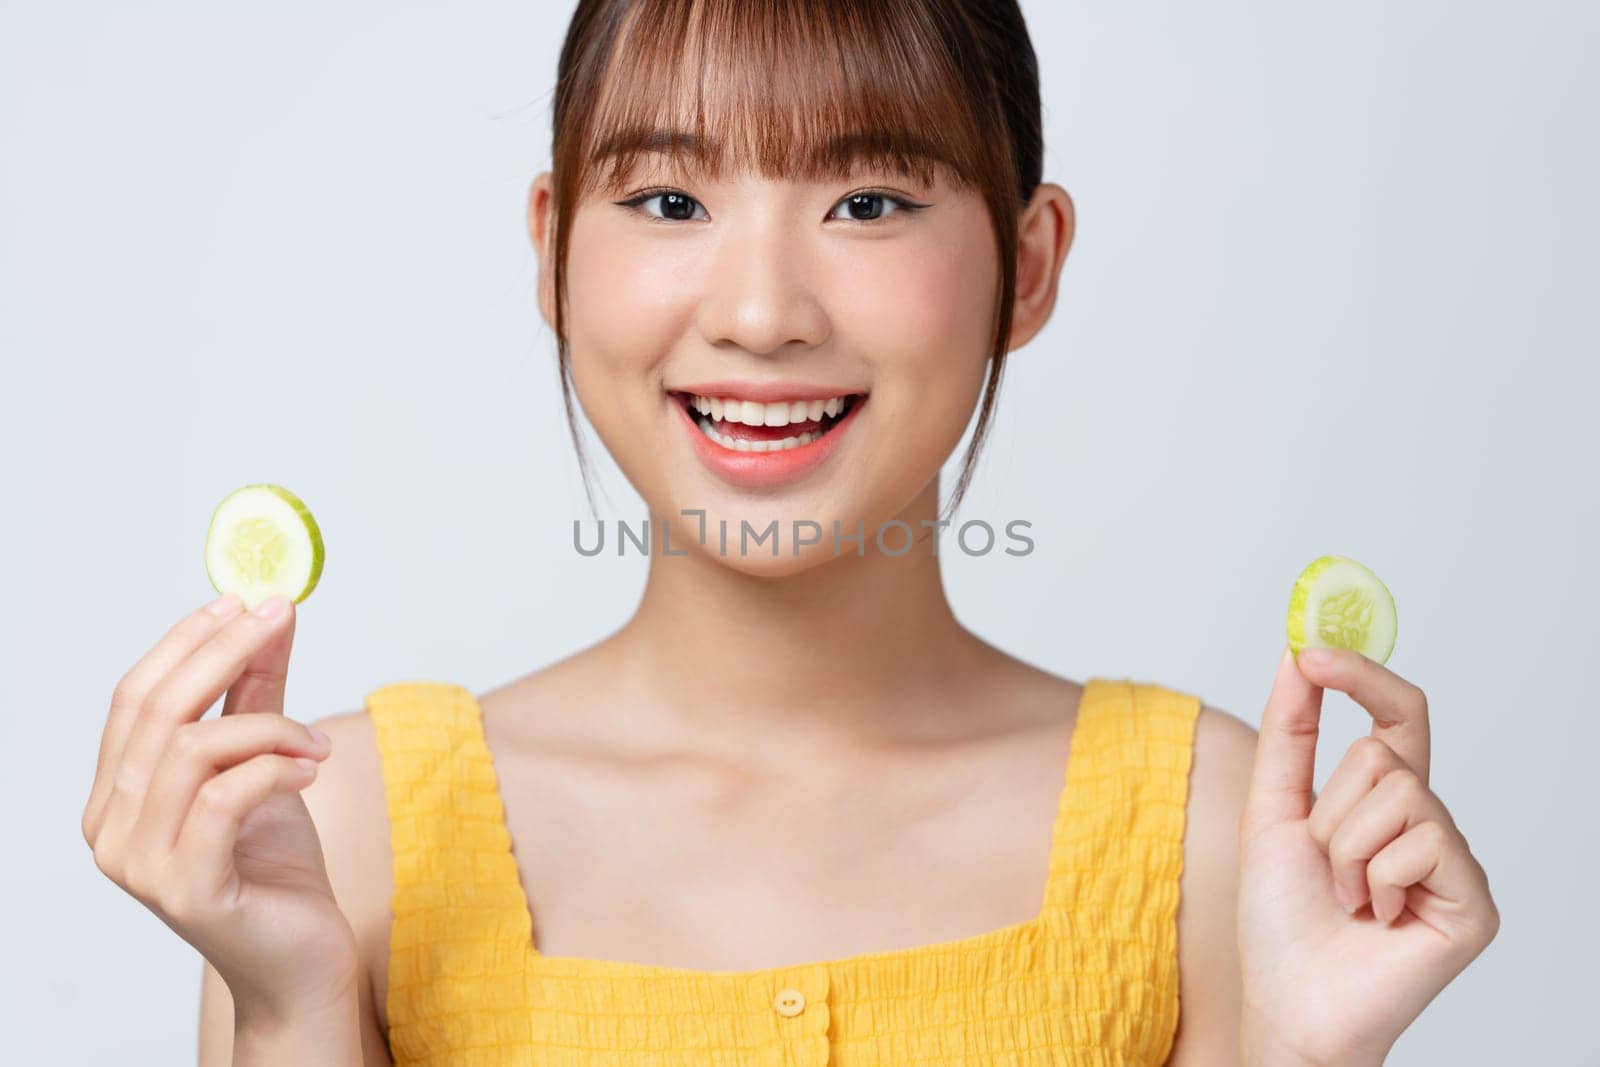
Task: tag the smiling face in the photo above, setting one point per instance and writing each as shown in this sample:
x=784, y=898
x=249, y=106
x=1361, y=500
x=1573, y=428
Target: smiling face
x=781, y=231
x=766, y=299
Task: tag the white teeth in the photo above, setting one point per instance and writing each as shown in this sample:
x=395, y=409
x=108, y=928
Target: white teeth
x=756, y=413
x=741, y=445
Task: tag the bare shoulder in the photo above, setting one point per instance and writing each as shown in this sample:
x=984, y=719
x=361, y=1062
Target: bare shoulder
x=1208, y=952
x=1224, y=752
x=1219, y=779
x=347, y=803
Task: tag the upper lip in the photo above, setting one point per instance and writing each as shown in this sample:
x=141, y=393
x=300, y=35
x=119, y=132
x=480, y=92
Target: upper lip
x=767, y=392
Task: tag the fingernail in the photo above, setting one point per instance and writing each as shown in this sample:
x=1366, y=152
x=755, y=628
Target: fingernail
x=271, y=608
x=224, y=605
x=1346, y=899
x=1319, y=656
x=318, y=736
x=308, y=764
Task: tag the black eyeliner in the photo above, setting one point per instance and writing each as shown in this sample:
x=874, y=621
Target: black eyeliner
x=909, y=206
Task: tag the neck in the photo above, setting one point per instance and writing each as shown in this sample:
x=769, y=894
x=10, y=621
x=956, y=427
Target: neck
x=856, y=649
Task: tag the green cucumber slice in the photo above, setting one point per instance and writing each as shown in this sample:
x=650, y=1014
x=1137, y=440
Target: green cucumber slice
x=263, y=540
x=1339, y=603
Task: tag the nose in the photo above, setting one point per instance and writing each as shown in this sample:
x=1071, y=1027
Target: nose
x=759, y=295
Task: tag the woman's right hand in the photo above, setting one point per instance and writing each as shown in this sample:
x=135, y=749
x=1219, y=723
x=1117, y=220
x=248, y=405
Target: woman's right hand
x=202, y=821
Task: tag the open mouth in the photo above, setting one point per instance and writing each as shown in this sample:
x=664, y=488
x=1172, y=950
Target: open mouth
x=755, y=426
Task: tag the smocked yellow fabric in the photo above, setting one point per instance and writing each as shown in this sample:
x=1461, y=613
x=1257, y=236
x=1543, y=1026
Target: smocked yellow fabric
x=1091, y=979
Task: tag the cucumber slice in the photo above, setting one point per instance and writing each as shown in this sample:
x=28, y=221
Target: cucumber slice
x=263, y=541
x=1339, y=603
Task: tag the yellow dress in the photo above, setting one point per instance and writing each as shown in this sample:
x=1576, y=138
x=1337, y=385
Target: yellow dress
x=1091, y=979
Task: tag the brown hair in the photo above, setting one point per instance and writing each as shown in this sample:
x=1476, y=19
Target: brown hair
x=809, y=87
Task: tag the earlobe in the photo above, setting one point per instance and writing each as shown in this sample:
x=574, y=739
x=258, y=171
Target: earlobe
x=1044, y=235
x=547, y=299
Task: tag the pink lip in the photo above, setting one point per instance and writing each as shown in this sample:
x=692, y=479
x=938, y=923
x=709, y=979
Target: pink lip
x=766, y=392
x=763, y=470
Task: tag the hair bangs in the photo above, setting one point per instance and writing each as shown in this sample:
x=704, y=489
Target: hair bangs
x=783, y=88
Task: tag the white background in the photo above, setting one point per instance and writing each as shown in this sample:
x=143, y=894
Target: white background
x=1333, y=291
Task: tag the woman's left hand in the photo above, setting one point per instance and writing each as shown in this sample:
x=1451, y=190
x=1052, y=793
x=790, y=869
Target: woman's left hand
x=1356, y=906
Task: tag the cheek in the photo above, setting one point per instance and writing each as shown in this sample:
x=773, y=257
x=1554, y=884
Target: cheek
x=624, y=316
x=927, y=310
x=627, y=304
x=922, y=312
x=627, y=309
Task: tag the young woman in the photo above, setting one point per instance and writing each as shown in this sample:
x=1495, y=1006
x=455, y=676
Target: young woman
x=791, y=811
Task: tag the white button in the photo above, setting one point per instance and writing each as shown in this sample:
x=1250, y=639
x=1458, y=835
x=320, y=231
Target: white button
x=789, y=1002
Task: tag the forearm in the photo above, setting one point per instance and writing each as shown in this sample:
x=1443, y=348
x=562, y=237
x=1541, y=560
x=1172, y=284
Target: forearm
x=1256, y=1050
x=330, y=1036
x=1259, y=1046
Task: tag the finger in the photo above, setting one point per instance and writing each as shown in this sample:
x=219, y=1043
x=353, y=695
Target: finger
x=1397, y=803
x=1365, y=762
x=179, y=642
x=1440, y=879
x=261, y=686
x=1286, y=751
x=187, y=691
x=205, y=843
x=197, y=752
x=1407, y=860
x=183, y=694
x=1398, y=708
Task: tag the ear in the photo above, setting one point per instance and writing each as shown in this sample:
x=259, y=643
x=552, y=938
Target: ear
x=1044, y=234
x=541, y=202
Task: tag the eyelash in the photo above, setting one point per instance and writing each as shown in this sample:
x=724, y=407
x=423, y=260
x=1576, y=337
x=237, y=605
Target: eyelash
x=901, y=203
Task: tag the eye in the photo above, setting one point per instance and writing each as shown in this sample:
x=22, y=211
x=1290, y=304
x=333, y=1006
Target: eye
x=674, y=204
x=677, y=206
x=872, y=204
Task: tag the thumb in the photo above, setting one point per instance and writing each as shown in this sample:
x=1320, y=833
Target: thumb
x=1286, y=751
x=261, y=686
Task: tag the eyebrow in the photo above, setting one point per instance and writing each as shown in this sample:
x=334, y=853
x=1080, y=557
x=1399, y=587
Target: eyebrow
x=629, y=141
x=849, y=146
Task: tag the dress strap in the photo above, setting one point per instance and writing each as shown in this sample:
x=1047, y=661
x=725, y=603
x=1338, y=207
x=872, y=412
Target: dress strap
x=1119, y=836
x=457, y=897
x=1118, y=859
